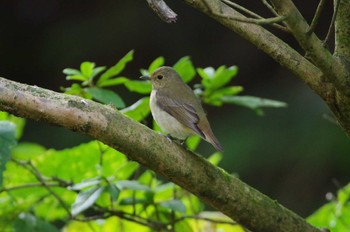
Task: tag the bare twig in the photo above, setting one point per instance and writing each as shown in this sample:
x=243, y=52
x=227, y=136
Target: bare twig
x=262, y=21
x=337, y=3
x=253, y=14
x=102, y=152
x=30, y=167
x=245, y=19
x=163, y=10
x=241, y=8
x=29, y=185
x=268, y=5
x=316, y=16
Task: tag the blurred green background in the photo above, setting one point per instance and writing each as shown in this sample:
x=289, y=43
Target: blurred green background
x=294, y=155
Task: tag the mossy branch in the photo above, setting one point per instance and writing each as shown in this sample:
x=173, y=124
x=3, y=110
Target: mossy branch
x=211, y=184
x=342, y=31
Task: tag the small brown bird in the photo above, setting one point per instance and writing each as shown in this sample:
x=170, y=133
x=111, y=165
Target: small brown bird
x=176, y=109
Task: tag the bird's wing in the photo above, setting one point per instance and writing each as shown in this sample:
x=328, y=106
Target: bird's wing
x=180, y=110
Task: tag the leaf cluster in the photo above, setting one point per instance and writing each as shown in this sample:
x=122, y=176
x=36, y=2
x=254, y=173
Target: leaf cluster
x=214, y=88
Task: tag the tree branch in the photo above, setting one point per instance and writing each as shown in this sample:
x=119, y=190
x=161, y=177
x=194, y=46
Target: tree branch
x=164, y=12
x=329, y=77
x=317, y=16
x=254, y=15
x=212, y=185
x=342, y=31
x=334, y=70
x=270, y=44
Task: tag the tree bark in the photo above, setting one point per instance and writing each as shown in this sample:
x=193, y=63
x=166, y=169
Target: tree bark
x=326, y=73
x=211, y=184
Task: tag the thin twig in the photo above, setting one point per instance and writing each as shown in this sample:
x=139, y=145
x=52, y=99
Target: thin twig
x=337, y=3
x=268, y=5
x=263, y=21
x=241, y=8
x=105, y=213
x=316, y=16
x=102, y=152
x=29, y=185
x=253, y=14
x=30, y=167
x=162, y=10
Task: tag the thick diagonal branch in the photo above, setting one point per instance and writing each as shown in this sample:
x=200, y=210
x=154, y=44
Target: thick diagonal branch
x=211, y=184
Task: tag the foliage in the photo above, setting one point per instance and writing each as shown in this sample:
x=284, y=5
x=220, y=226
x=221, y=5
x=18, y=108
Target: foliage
x=212, y=90
x=92, y=187
x=335, y=214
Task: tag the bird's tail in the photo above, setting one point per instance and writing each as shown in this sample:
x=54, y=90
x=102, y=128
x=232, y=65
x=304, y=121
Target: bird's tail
x=215, y=142
x=210, y=137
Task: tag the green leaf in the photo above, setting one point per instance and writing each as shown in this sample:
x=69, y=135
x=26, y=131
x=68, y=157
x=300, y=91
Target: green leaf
x=106, y=96
x=214, y=79
x=98, y=70
x=117, y=68
x=87, y=69
x=215, y=158
x=131, y=184
x=174, y=205
x=148, y=178
x=76, y=78
x=254, y=103
x=192, y=142
x=343, y=195
x=334, y=215
x=193, y=204
x=27, y=151
x=76, y=89
x=30, y=223
x=114, y=191
x=86, y=199
x=144, y=72
x=7, y=142
x=71, y=72
x=156, y=64
x=164, y=192
x=215, y=97
x=125, y=170
x=206, y=73
x=86, y=183
x=139, y=110
x=185, y=68
x=185, y=226
x=143, y=87
x=133, y=201
x=113, y=82
x=19, y=122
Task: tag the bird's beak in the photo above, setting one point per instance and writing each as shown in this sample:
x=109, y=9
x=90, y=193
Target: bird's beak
x=145, y=78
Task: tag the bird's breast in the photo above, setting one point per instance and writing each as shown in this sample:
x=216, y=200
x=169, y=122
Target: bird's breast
x=166, y=122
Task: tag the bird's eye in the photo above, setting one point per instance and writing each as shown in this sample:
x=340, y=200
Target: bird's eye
x=159, y=77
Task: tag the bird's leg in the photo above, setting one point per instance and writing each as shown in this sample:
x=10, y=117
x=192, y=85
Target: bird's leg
x=170, y=138
x=183, y=143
